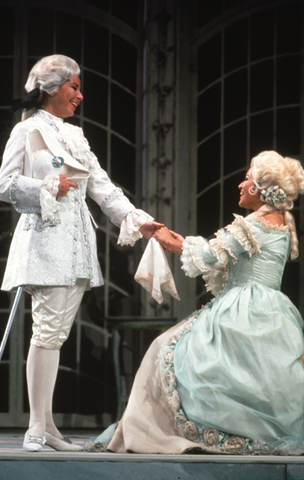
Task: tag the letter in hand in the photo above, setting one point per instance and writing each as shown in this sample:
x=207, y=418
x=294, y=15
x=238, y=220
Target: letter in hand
x=65, y=185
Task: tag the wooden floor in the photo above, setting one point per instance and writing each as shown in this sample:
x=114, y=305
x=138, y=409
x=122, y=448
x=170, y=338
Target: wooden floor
x=17, y=464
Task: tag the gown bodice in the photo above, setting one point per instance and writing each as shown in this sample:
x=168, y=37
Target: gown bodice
x=267, y=267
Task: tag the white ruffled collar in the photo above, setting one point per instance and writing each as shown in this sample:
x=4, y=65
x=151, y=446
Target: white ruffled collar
x=71, y=135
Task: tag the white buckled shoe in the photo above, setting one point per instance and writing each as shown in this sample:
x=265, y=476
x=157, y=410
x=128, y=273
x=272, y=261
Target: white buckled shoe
x=63, y=444
x=33, y=443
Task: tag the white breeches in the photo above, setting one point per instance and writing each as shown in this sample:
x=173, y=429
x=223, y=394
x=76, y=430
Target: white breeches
x=53, y=311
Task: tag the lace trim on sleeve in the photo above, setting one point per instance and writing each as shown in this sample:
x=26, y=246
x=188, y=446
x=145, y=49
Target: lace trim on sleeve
x=191, y=257
x=48, y=194
x=129, y=230
x=215, y=275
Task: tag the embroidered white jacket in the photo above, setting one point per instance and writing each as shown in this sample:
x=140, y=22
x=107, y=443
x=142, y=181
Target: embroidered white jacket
x=60, y=246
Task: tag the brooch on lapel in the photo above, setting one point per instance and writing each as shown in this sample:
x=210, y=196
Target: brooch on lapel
x=57, y=161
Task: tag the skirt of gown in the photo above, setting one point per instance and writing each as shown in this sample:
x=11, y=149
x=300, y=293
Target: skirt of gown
x=229, y=379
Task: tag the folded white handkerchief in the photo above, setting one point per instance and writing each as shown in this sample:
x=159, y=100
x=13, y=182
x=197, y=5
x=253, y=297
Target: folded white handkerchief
x=153, y=272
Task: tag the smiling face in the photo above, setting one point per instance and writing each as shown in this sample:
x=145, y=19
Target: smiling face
x=64, y=102
x=247, y=200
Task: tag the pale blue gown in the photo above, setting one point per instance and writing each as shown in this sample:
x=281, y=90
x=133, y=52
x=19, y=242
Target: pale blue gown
x=231, y=375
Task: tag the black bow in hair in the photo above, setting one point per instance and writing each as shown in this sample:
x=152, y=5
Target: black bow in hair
x=30, y=100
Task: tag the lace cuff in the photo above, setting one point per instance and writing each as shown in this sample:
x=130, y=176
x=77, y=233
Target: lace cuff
x=48, y=194
x=214, y=273
x=191, y=257
x=129, y=230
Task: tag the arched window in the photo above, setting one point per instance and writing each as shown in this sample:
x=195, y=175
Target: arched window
x=248, y=100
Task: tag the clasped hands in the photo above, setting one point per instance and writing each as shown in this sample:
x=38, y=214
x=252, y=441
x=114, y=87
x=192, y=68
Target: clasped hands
x=169, y=240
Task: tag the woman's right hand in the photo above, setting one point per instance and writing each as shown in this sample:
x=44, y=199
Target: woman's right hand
x=65, y=185
x=171, y=241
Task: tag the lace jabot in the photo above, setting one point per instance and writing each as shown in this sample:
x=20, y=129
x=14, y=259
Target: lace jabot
x=70, y=135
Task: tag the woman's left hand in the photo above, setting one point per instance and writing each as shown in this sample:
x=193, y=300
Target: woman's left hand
x=149, y=228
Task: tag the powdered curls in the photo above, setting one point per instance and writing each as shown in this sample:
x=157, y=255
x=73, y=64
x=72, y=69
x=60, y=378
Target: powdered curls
x=271, y=169
x=48, y=74
x=281, y=180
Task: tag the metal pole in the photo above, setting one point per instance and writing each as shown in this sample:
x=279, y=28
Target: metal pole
x=10, y=320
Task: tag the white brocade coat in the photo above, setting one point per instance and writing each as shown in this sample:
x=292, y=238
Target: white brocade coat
x=61, y=248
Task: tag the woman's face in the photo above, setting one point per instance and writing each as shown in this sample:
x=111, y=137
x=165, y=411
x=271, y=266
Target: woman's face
x=64, y=102
x=247, y=200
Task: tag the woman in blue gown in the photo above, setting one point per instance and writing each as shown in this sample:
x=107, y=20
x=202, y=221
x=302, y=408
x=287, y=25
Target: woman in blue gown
x=229, y=378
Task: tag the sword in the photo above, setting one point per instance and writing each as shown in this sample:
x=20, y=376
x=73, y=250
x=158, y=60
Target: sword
x=10, y=320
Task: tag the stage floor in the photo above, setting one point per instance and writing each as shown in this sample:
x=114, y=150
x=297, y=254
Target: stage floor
x=16, y=464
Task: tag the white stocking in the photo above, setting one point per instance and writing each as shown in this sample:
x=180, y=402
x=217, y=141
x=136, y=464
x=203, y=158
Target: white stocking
x=50, y=426
x=42, y=366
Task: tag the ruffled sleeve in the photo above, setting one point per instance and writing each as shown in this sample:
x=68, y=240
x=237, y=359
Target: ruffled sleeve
x=129, y=230
x=48, y=194
x=211, y=259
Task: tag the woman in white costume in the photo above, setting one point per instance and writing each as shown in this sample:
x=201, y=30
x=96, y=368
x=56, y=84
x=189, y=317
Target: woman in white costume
x=229, y=378
x=47, y=170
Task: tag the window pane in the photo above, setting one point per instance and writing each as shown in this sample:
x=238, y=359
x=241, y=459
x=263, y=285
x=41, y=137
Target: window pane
x=126, y=10
x=124, y=60
x=206, y=11
x=231, y=197
x=4, y=299
x=65, y=398
x=290, y=281
x=288, y=131
x=261, y=86
x=3, y=323
x=100, y=391
x=235, y=96
x=97, y=138
x=123, y=164
x=123, y=110
x=117, y=301
x=6, y=31
x=262, y=35
x=208, y=212
x=68, y=38
x=40, y=26
x=6, y=90
x=102, y=4
x=209, y=111
x=261, y=133
x=209, y=61
x=235, y=143
x=289, y=28
x=235, y=45
x=208, y=162
x=122, y=278
x=288, y=80
x=231, y=3
x=96, y=39
x=4, y=375
x=96, y=97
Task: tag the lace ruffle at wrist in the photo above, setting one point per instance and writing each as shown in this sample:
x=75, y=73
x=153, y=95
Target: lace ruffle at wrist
x=191, y=257
x=129, y=230
x=48, y=194
x=215, y=274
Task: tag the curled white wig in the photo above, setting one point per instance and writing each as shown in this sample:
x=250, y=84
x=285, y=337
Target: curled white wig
x=271, y=169
x=48, y=74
